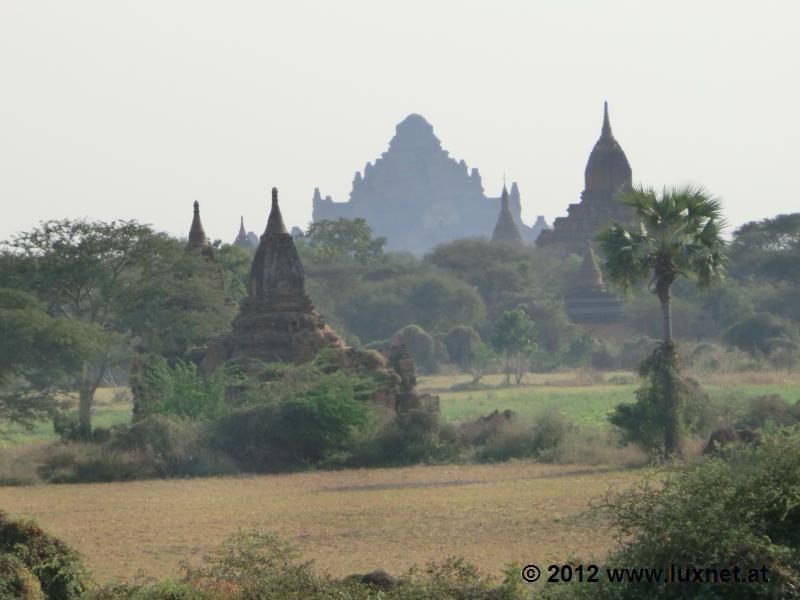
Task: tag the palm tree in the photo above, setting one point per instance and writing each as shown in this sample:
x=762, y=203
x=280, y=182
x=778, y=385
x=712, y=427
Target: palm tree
x=675, y=233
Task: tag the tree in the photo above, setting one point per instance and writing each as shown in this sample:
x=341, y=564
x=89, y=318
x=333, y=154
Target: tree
x=676, y=233
x=342, y=241
x=515, y=335
x=37, y=355
x=125, y=281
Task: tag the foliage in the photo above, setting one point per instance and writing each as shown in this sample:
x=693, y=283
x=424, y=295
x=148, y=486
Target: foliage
x=38, y=353
x=300, y=419
x=58, y=568
x=181, y=390
x=461, y=343
x=768, y=249
x=422, y=348
x=515, y=334
x=763, y=333
x=132, y=285
x=743, y=509
x=645, y=422
x=343, y=240
x=518, y=440
x=414, y=436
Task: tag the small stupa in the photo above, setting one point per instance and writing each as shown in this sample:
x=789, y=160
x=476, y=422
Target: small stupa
x=588, y=300
x=197, y=235
x=505, y=231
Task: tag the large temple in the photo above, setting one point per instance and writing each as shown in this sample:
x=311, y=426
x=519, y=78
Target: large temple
x=607, y=172
x=417, y=196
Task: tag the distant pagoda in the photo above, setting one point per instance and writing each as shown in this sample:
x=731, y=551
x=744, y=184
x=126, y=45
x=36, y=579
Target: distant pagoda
x=245, y=240
x=588, y=300
x=607, y=171
x=505, y=231
x=417, y=196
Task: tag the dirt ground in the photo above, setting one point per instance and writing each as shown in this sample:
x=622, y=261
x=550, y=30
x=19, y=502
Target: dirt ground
x=347, y=521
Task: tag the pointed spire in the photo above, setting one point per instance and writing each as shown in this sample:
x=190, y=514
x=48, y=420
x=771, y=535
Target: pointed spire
x=606, y=123
x=505, y=231
x=242, y=230
x=197, y=237
x=590, y=274
x=275, y=222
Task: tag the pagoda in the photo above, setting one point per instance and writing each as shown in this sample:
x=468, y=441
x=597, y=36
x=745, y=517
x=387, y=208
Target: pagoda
x=588, y=300
x=245, y=240
x=505, y=231
x=607, y=172
x=197, y=236
x=277, y=320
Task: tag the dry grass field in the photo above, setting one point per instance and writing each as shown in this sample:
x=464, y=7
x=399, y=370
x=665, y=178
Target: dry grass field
x=347, y=521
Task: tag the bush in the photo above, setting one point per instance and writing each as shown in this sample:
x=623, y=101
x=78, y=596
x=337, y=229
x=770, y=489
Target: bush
x=296, y=423
x=643, y=422
x=422, y=348
x=771, y=409
x=742, y=509
x=517, y=440
x=414, y=436
x=763, y=333
x=59, y=570
x=17, y=580
x=461, y=342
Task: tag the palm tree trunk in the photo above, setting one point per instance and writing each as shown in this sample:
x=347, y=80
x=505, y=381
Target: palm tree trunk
x=671, y=433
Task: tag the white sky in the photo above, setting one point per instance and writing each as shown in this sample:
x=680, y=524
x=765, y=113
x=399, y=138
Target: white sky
x=112, y=109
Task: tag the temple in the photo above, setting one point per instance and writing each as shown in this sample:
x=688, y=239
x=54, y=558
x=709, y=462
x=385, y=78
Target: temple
x=417, y=196
x=244, y=240
x=197, y=235
x=588, y=300
x=607, y=172
x=505, y=231
x=277, y=321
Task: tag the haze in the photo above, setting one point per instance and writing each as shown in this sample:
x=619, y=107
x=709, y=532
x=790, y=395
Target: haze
x=133, y=110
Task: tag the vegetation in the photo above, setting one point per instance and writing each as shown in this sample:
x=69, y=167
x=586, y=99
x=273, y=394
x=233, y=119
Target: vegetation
x=677, y=234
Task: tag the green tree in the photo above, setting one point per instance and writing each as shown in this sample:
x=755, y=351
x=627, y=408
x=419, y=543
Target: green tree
x=38, y=353
x=127, y=282
x=343, y=240
x=515, y=336
x=677, y=233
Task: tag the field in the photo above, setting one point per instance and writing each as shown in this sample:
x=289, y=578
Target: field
x=359, y=520
x=347, y=521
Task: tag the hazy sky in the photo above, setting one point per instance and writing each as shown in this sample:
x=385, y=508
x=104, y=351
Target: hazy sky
x=112, y=109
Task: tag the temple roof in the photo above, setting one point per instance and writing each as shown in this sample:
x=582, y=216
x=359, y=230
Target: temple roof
x=608, y=168
x=506, y=231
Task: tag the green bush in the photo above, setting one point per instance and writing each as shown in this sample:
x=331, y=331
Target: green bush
x=415, y=436
x=17, y=580
x=59, y=570
x=422, y=348
x=763, y=333
x=460, y=343
x=296, y=422
x=743, y=509
x=643, y=422
x=518, y=440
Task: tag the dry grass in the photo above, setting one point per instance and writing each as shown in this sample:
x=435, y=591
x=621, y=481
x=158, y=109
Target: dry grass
x=349, y=521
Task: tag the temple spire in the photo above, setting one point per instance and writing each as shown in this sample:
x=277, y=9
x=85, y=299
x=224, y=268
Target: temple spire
x=505, y=231
x=275, y=222
x=197, y=236
x=606, y=123
x=242, y=230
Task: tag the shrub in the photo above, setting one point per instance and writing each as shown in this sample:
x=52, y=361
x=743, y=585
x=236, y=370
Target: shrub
x=770, y=409
x=517, y=440
x=59, y=570
x=17, y=580
x=643, y=422
x=742, y=509
x=461, y=342
x=414, y=436
x=422, y=348
x=762, y=333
